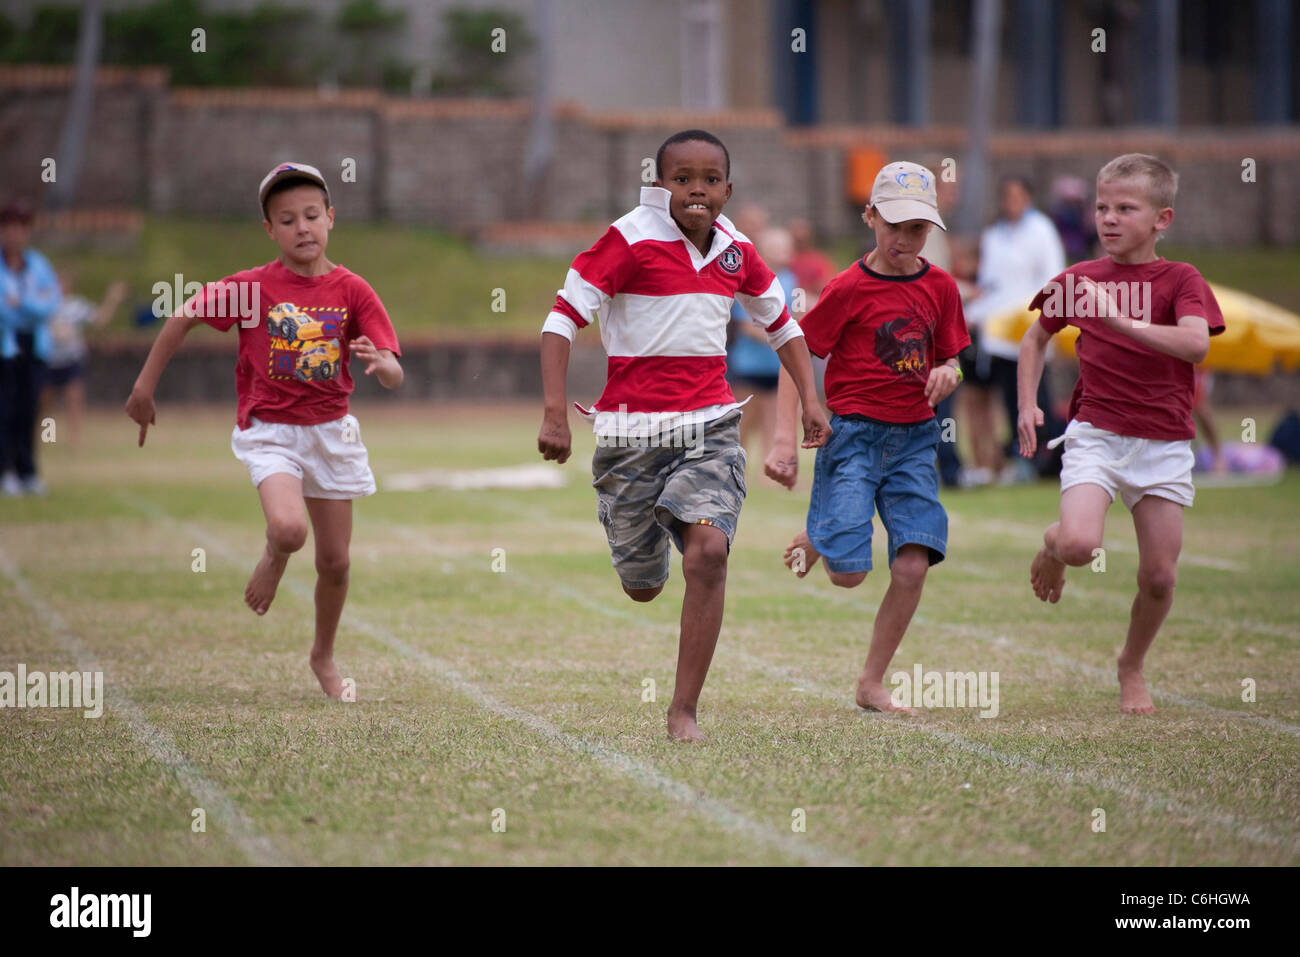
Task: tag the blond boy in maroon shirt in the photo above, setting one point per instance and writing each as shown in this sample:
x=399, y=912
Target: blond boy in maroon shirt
x=1144, y=322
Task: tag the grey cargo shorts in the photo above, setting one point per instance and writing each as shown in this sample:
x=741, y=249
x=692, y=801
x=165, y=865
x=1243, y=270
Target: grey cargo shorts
x=643, y=493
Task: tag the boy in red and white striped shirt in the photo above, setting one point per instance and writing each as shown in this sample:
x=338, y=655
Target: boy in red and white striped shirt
x=668, y=463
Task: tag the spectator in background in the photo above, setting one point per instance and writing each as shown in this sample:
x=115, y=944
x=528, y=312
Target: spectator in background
x=67, y=358
x=1073, y=217
x=1203, y=413
x=751, y=220
x=812, y=268
x=29, y=295
x=752, y=366
x=1019, y=254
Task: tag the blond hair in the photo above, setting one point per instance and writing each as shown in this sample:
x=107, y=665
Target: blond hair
x=1161, y=181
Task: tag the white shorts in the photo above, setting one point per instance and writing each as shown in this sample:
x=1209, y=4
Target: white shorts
x=1127, y=467
x=329, y=458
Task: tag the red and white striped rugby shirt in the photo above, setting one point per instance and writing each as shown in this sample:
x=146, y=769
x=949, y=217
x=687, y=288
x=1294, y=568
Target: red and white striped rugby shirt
x=663, y=310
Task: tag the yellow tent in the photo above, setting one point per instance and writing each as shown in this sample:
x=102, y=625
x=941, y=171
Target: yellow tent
x=1258, y=336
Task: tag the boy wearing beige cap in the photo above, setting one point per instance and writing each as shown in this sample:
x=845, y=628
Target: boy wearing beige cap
x=891, y=325
x=301, y=317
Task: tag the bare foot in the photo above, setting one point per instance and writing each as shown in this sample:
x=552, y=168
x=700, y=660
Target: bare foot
x=265, y=580
x=1134, y=698
x=331, y=682
x=800, y=556
x=1047, y=575
x=873, y=697
x=681, y=724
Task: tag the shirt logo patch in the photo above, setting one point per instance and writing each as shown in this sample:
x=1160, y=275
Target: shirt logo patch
x=731, y=259
x=305, y=347
x=903, y=344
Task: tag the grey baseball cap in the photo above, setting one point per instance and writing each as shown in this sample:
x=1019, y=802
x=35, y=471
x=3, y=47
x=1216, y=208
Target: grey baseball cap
x=290, y=171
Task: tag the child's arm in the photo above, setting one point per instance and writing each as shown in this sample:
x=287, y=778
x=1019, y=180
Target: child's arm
x=380, y=361
x=782, y=463
x=554, y=440
x=797, y=364
x=796, y=388
x=943, y=382
x=1033, y=350
x=113, y=298
x=1189, y=340
x=139, y=406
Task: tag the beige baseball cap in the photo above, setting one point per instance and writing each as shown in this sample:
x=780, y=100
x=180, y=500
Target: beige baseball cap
x=290, y=171
x=904, y=191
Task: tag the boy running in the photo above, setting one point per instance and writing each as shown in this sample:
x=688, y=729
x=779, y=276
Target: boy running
x=668, y=463
x=293, y=431
x=892, y=326
x=1144, y=323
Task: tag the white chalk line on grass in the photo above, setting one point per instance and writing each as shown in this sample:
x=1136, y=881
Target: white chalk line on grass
x=844, y=598
x=1055, y=657
x=157, y=742
x=640, y=772
x=1151, y=800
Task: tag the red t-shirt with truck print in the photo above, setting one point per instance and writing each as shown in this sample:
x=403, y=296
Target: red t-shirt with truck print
x=294, y=337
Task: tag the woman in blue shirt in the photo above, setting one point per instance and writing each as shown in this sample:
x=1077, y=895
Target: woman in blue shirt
x=29, y=295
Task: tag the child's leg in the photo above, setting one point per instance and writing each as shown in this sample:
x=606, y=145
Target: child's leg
x=978, y=402
x=1070, y=541
x=801, y=554
x=906, y=579
x=1159, y=525
x=704, y=566
x=331, y=522
x=286, y=532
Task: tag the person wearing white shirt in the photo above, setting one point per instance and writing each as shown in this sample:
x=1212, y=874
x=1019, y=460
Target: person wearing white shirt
x=1018, y=255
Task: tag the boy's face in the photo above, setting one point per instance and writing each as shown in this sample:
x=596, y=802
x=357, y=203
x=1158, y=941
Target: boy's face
x=1127, y=221
x=695, y=173
x=898, y=243
x=299, y=222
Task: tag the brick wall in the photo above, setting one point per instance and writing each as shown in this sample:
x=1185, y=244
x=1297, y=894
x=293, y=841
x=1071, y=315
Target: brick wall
x=459, y=164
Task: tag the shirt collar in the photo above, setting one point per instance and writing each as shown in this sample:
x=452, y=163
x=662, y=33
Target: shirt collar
x=657, y=198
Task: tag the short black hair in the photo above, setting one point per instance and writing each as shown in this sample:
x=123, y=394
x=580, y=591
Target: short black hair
x=687, y=136
x=290, y=182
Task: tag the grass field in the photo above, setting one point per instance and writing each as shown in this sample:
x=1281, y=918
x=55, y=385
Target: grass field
x=521, y=690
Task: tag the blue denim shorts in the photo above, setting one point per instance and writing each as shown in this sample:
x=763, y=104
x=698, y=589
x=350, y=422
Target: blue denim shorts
x=888, y=468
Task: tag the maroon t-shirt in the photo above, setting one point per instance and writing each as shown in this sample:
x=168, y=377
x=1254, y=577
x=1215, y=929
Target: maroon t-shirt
x=1124, y=386
x=293, y=351
x=883, y=335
